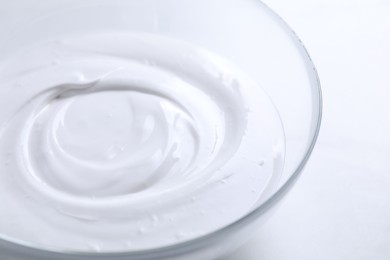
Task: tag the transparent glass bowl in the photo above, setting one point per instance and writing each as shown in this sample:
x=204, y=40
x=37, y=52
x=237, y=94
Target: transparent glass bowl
x=246, y=32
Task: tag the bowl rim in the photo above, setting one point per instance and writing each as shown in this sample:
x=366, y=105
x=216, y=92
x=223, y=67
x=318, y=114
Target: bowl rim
x=255, y=212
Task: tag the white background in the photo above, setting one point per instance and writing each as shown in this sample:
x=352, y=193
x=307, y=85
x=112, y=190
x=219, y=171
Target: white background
x=340, y=208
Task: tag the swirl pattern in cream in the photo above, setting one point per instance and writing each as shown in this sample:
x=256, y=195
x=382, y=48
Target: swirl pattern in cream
x=115, y=142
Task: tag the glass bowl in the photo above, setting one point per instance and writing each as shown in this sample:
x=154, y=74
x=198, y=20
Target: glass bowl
x=246, y=32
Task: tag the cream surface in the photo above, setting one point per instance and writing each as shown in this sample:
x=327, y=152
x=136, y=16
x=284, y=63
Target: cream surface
x=116, y=142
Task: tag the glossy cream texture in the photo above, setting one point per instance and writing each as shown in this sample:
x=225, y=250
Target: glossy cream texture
x=117, y=142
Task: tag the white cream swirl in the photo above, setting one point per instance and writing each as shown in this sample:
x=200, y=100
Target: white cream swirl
x=116, y=141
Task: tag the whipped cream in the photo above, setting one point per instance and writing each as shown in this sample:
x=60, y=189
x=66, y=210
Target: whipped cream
x=115, y=142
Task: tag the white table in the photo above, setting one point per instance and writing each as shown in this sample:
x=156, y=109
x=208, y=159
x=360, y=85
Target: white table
x=340, y=208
